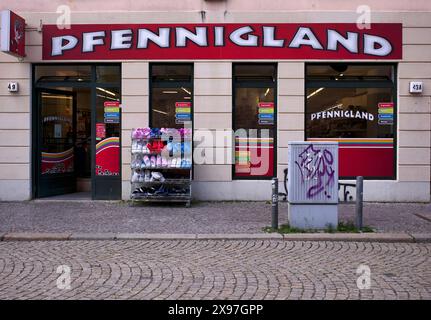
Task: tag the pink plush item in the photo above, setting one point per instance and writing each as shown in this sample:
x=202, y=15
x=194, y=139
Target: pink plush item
x=187, y=133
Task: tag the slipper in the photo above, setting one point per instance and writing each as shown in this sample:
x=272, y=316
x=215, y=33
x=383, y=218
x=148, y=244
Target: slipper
x=159, y=161
x=147, y=176
x=140, y=178
x=164, y=162
x=153, y=161
x=146, y=162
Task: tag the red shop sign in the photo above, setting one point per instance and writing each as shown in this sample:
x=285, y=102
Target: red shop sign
x=183, y=104
x=332, y=41
x=12, y=33
x=111, y=103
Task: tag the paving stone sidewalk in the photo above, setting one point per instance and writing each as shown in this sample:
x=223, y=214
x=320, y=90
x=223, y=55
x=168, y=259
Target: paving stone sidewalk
x=202, y=218
x=214, y=269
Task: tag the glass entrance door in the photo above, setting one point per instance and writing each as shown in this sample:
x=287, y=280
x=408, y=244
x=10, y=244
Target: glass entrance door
x=56, y=145
x=77, y=121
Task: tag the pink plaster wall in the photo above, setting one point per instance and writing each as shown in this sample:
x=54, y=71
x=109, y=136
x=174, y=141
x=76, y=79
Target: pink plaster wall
x=210, y=5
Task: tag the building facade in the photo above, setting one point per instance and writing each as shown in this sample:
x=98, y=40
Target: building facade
x=301, y=71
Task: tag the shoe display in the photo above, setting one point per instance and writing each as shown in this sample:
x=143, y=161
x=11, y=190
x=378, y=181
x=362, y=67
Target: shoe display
x=147, y=176
x=161, y=165
x=140, y=178
x=173, y=163
x=146, y=161
x=153, y=161
x=135, y=177
x=164, y=162
x=157, y=176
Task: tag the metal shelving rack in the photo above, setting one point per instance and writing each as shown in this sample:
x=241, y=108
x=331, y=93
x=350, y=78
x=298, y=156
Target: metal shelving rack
x=183, y=183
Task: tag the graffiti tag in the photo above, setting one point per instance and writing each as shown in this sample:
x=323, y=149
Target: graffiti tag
x=316, y=166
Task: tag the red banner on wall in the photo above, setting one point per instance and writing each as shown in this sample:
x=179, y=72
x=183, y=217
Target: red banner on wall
x=332, y=41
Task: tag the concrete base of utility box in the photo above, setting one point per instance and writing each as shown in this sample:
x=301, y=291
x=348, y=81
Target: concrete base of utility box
x=313, y=216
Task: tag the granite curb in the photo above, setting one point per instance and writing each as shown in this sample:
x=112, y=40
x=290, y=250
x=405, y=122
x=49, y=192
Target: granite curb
x=421, y=237
x=349, y=237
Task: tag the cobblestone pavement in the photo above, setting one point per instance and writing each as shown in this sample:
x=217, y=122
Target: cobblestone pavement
x=202, y=217
x=214, y=270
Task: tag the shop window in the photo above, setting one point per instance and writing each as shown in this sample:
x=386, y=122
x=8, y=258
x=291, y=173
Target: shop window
x=254, y=120
x=355, y=106
x=171, y=96
x=52, y=73
x=108, y=74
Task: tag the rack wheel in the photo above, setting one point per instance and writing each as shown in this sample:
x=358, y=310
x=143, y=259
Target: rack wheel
x=188, y=204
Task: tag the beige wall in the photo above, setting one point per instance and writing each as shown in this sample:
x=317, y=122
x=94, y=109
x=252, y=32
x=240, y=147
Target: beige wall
x=135, y=99
x=15, y=124
x=212, y=96
x=217, y=5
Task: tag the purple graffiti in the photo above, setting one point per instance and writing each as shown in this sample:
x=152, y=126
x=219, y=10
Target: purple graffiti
x=316, y=165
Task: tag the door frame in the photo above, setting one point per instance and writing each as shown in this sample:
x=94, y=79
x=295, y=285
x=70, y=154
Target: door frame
x=38, y=163
x=73, y=84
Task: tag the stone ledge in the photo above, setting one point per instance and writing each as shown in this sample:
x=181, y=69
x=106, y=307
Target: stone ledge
x=35, y=236
x=351, y=237
x=240, y=236
x=92, y=236
x=361, y=237
x=154, y=236
x=421, y=237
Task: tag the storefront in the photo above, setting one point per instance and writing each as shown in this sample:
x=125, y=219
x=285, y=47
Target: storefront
x=245, y=84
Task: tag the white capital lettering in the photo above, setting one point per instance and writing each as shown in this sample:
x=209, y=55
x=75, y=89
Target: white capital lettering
x=236, y=37
x=58, y=47
x=219, y=36
x=161, y=39
x=299, y=40
x=370, y=46
x=351, y=43
x=91, y=39
x=200, y=37
x=121, y=39
x=269, y=38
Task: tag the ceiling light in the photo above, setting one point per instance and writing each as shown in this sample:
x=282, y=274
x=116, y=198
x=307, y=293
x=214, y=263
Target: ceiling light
x=184, y=89
x=314, y=92
x=107, y=91
x=158, y=111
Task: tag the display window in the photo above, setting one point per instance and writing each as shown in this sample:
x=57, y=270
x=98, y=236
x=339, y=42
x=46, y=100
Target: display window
x=355, y=106
x=254, y=120
x=171, y=97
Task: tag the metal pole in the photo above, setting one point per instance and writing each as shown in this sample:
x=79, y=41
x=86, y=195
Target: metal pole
x=274, y=216
x=359, y=201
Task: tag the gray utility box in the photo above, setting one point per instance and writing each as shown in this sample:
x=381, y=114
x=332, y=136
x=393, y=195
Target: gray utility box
x=313, y=184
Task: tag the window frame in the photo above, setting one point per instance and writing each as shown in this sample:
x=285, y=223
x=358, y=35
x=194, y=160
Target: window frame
x=359, y=84
x=169, y=84
x=256, y=84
